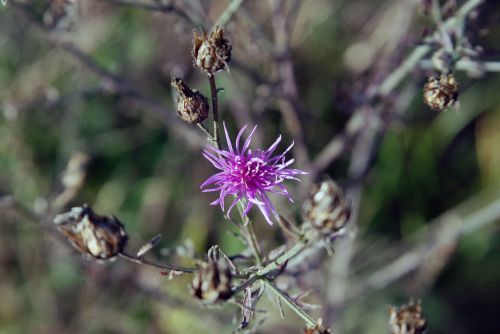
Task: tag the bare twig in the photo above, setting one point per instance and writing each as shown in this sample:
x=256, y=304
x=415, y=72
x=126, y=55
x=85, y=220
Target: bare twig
x=443, y=231
x=289, y=103
x=228, y=13
x=340, y=143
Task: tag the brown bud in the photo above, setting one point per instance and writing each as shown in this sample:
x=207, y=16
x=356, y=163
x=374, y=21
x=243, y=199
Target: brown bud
x=192, y=106
x=212, y=281
x=441, y=94
x=326, y=210
x=211, y=52
x=102, y=237
x=407, y=319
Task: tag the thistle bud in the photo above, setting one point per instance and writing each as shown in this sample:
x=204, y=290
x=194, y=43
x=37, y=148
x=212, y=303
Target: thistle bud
x=211, y=52
x=212, y=281
x=441, y=94
x=407, y=319
x=326, y=210
x=102, y=237
x=192, y=106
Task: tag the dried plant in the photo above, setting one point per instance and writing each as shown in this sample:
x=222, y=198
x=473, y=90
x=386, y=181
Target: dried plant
x=249, y=175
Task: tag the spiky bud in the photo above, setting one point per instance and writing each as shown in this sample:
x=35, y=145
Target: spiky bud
x=192, y=106
x=441, y=94
x=102, y=237
x=212, y=282
x=211, y=52
x=407, y=319
x=326, y=209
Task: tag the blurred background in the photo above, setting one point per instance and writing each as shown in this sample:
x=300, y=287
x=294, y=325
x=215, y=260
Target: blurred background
x=89, y=82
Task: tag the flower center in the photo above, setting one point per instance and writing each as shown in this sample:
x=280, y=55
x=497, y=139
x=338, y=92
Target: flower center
x=251, y=172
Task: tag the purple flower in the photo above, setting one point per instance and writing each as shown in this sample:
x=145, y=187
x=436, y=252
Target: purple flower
x=249, y=175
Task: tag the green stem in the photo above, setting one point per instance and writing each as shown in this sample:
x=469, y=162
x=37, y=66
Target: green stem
x=291, y=304
x=289, y=254
x=249, y=232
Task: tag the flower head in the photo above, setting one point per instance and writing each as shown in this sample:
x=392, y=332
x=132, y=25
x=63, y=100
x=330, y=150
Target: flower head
x=249, y=175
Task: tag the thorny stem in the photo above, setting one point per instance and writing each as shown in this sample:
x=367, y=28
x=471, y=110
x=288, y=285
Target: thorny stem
x=213, y=92
x=292, y=304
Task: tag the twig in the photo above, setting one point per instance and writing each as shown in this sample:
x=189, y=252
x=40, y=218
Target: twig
x=227, y=14
x=467, y=65
x=143, y=261
x=289, y=103
x=339, y=143
x=157, y=7
x=443, y=231
x=292, y=304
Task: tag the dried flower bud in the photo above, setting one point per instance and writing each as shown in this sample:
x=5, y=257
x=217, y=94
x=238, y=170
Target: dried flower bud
x=441, y=94
x=212, y=281
x=192, y=106
x=211, y=52
x=100, y=236
x=327, y=210
x=407, y=319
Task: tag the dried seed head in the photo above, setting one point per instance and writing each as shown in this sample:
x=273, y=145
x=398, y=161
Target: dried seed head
x=102, y=237
x=212, y=282
x=407, y=319
x=211, y=52
x=192, y=106
x=326, y=210
x=441, y=94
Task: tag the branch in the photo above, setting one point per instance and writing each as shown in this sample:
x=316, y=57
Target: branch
x=340, y=143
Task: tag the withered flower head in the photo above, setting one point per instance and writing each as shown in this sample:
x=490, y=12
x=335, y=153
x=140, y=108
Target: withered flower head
x=211, y=52
x=326, y=209
x=407, y=319
x=441, y=94
x=102, y=237
x=212, y=282
x=192, y=106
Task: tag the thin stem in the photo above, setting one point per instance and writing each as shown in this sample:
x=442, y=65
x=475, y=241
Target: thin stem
x=250, y=233
x=292, y=304
x=205, y=131
x=213, y=92
x=245, y=284
x=225, y=17
x=143, y=261
x=289, y=254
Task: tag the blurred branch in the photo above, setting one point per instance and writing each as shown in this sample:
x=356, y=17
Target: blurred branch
x=289, y=102
x=467, y=65
x=445, y=230
x=118, y=85
x=157, y=7
x=228, y=13
x=339, y=144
